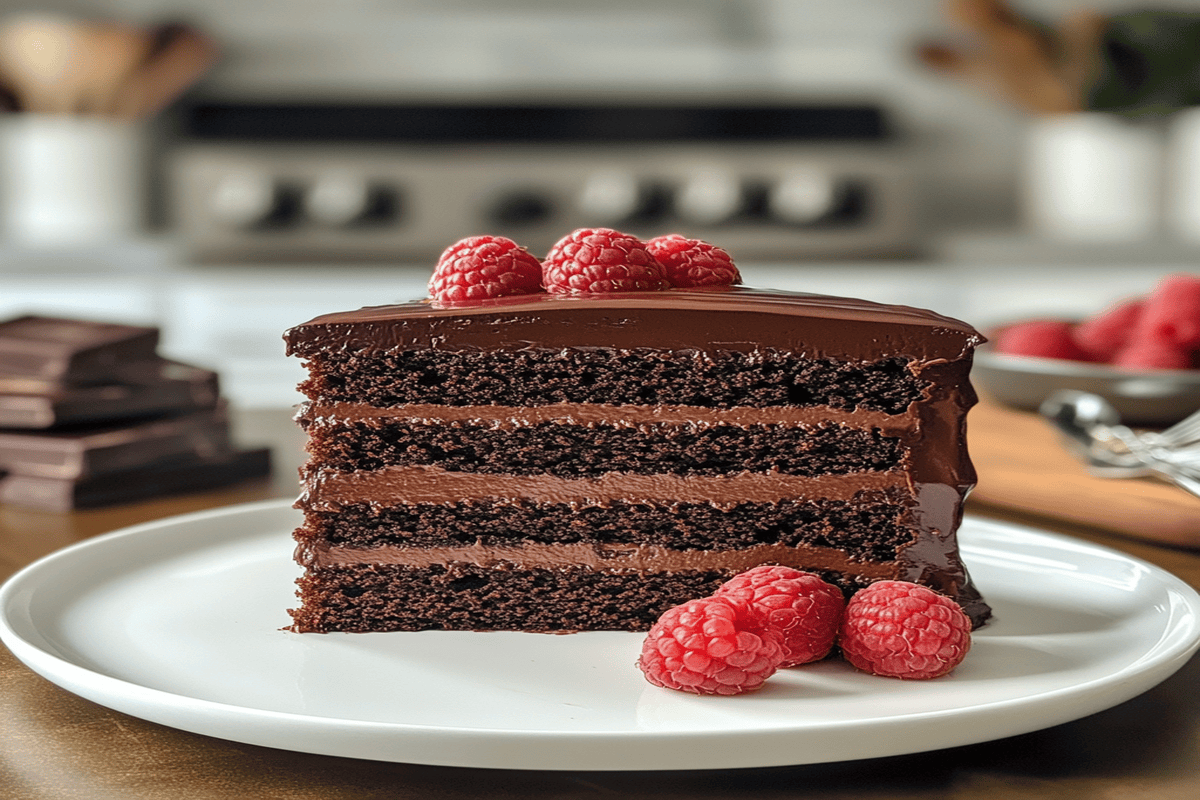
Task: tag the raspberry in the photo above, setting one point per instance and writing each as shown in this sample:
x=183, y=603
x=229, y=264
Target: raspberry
x=598, y=260
x=803, y=607
x=691, y=262
x=714, y=645
x=902, y=630
x=1105, y=334
x=1044, y=338
x=1153, y=355
x=1172, y=313
x=480, y=267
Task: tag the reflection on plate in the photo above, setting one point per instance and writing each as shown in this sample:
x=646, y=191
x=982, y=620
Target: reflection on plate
x=1143, y=397
x=179, y=622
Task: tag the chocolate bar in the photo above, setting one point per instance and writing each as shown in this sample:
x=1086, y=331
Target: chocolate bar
x=52, y=348
x=161, y=387
x=194, y=474
x=140, y=371
x=100, y=450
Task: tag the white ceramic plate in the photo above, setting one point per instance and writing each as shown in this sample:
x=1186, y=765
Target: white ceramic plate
x=179, y=622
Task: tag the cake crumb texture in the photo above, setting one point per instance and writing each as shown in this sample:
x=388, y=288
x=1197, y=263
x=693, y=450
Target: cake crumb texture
x=468, y=597
x=541, y=376
x=870, y=528
x=574, y=451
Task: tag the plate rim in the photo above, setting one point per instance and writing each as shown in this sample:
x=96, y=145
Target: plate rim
x=1167, y=655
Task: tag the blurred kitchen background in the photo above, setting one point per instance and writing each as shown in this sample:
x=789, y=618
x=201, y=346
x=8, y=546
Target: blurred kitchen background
x=235, y=167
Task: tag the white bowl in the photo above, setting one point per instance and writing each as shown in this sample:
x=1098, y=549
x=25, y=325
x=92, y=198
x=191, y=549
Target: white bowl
x=1142, y=396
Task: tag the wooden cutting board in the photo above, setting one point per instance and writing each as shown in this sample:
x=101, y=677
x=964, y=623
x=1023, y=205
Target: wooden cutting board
x=1022, y=466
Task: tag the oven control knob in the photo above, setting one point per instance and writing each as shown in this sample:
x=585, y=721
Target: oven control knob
x=519, y=207
x=709, y=197
x=803, y=196
x=245, y=200
x=610, y=197
x=616, y=197
x=340, y=199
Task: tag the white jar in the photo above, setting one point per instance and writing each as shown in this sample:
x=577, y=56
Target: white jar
x=1093, y=177
x=70, y=180
x=1183, y=175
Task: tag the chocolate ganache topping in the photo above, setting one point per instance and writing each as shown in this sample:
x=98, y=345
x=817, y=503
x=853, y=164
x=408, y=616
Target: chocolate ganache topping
x=720, y=317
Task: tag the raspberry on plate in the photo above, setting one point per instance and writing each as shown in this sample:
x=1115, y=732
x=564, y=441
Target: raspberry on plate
x=901, y=630
x=600, y=260
x=480, y=267
x=692, y=262
x=805, y=608
x=713, y=645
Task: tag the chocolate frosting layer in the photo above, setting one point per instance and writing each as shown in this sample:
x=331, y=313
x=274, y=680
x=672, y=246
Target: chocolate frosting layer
x=325, y=490
x=649, y=558
x=598, y=414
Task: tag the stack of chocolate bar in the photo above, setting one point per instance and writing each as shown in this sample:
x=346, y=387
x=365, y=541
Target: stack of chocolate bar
x=91, y=415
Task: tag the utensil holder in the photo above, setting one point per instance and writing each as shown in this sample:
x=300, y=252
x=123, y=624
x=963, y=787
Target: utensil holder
x=69, y=180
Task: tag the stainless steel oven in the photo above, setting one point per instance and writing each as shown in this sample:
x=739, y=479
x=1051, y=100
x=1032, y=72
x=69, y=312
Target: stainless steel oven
x=313, y=182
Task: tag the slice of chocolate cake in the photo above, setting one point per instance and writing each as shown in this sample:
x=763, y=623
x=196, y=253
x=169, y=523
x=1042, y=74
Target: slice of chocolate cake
x=550, y=463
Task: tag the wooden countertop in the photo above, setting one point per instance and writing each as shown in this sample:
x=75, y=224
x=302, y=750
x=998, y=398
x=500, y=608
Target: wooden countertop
x=56, y=745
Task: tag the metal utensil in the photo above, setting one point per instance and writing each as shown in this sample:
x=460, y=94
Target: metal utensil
x=1091, y=428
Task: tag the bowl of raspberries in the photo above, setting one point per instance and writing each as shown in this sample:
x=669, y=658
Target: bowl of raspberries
x=1142, y=354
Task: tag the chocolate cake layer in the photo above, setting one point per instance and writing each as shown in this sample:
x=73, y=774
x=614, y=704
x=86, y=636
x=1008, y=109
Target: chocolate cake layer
x=469, y=597
x=572, y=451
x=872, y=526
x=540, y=376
